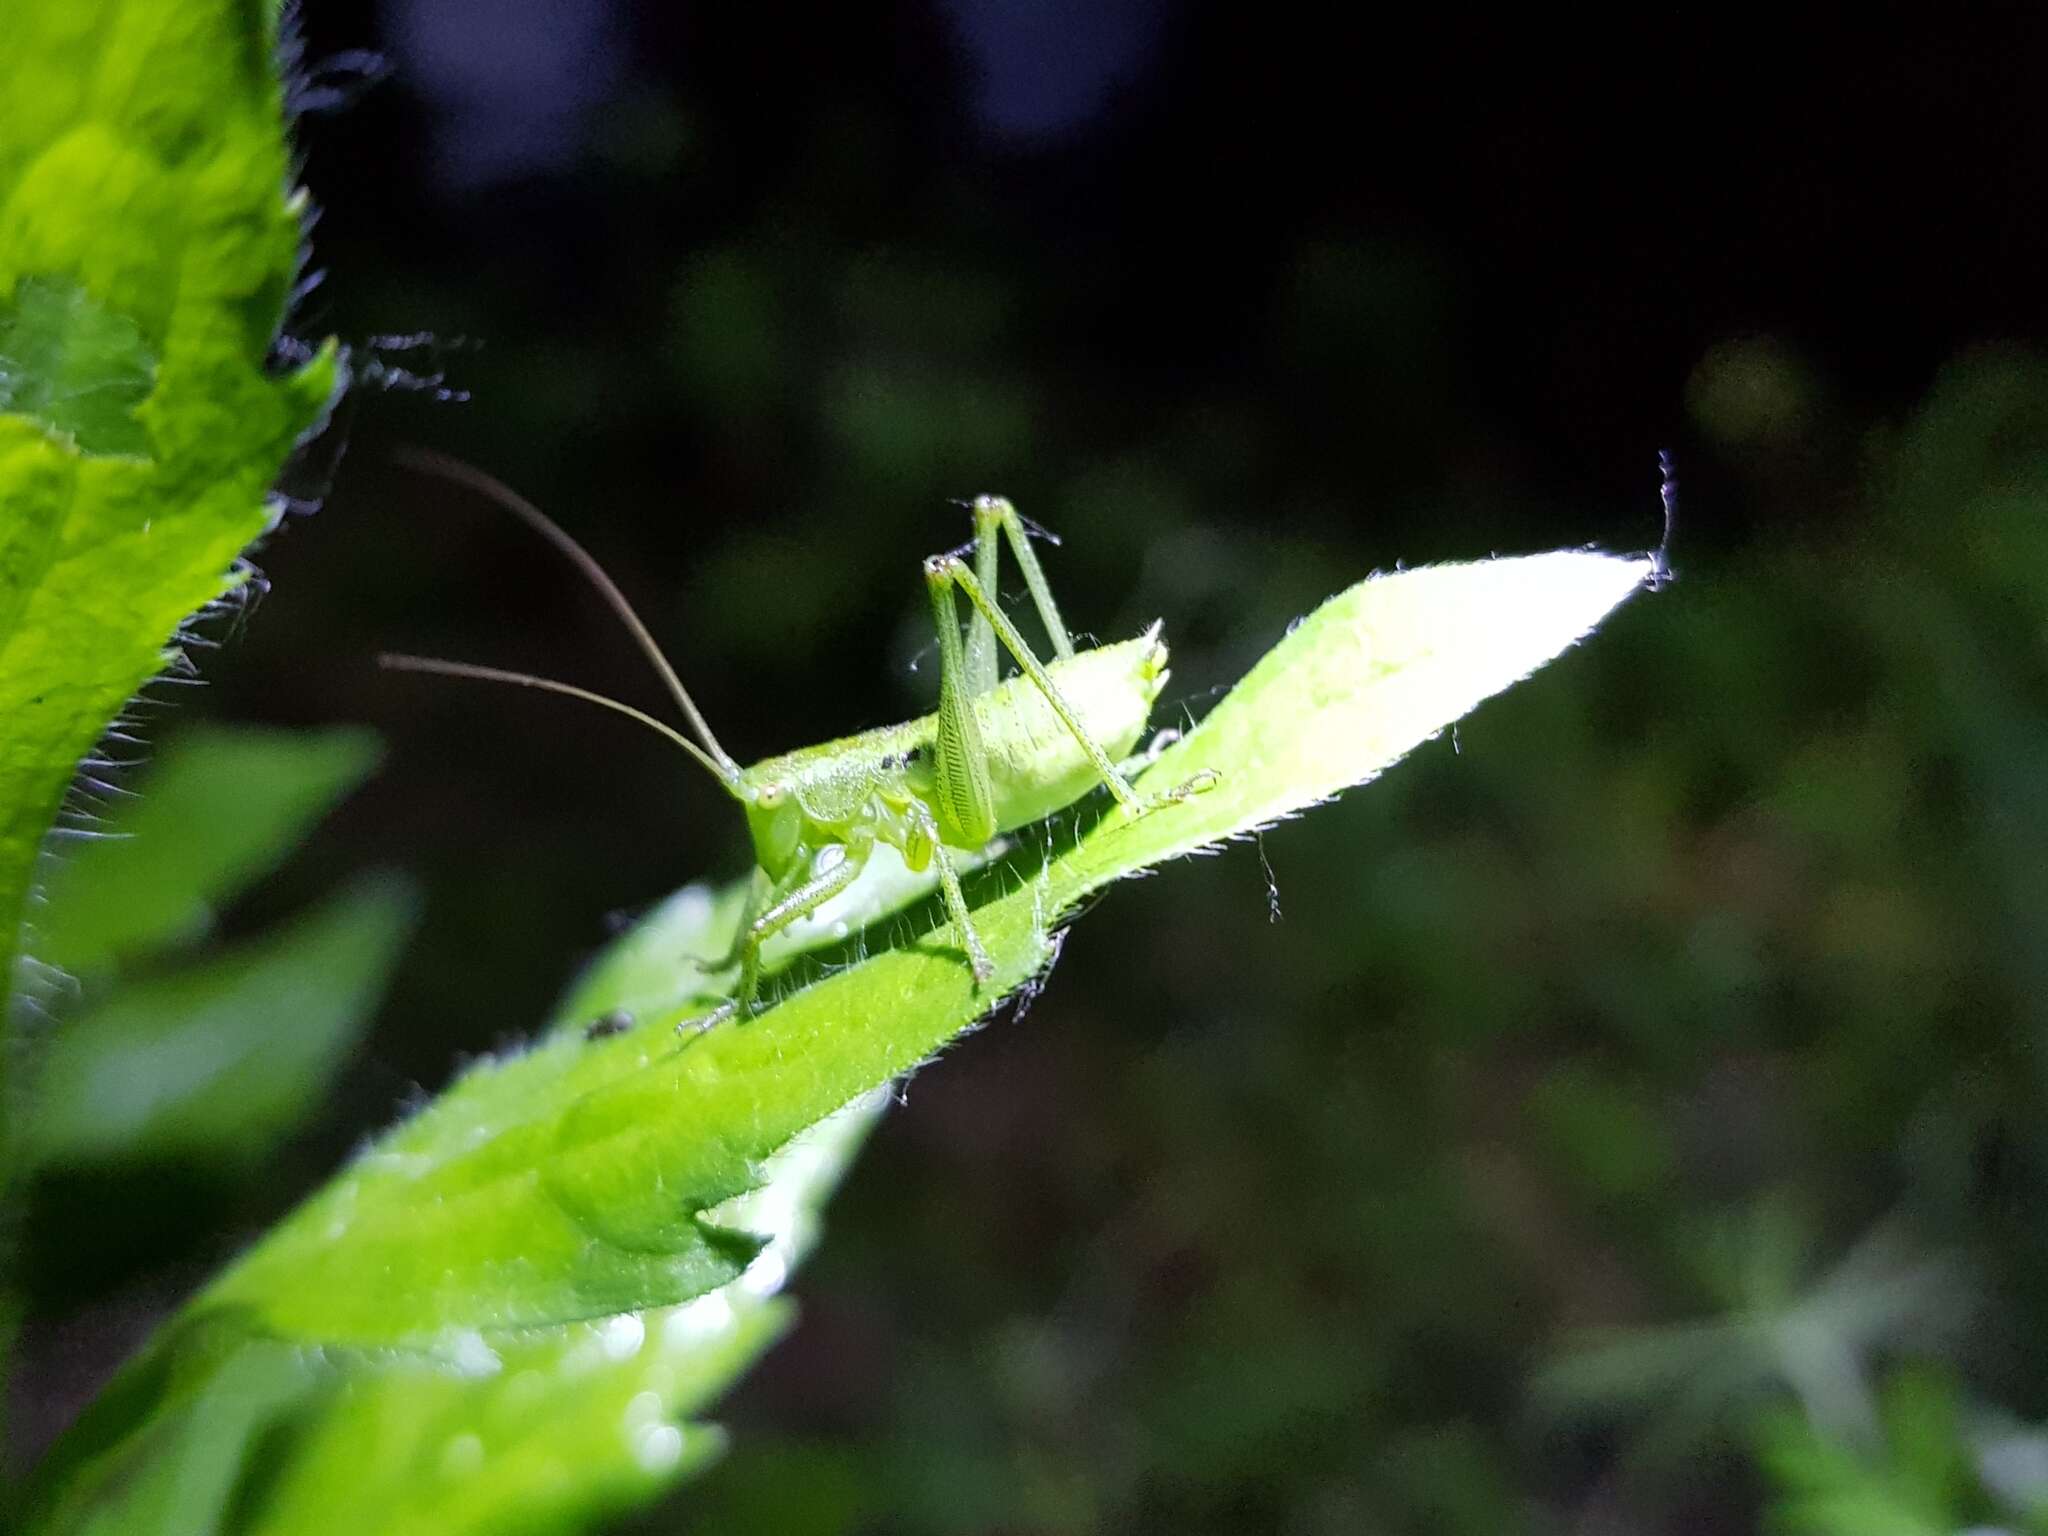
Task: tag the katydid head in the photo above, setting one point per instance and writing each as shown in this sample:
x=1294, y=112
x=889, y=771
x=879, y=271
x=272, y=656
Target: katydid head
x=775, y=821
x=704, y=748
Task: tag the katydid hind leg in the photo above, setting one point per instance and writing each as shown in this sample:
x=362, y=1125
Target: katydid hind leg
x=946, y=571
x=996, y=520
x=951, y=569
x=1138, y=763
x=963, y=800
x=1018, y=532
x=981, y=670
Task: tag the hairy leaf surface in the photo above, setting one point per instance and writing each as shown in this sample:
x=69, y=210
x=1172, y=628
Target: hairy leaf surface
x=147, y=247
x=574, y=1181
x=460, y=1279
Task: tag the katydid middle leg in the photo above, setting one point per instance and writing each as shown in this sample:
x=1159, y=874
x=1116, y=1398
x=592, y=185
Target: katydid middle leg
x=956, y=899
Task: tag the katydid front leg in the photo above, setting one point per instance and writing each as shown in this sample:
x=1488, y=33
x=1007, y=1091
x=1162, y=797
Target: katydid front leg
x=793, y=905
x=793, y=902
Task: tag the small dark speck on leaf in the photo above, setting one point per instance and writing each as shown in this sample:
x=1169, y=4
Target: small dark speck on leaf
x=617, y=1022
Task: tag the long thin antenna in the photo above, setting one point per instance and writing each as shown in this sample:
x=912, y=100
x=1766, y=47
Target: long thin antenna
x=429, y=462
x=395, y=662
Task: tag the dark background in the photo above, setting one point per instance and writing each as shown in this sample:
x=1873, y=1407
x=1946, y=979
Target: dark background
x=1707, y=954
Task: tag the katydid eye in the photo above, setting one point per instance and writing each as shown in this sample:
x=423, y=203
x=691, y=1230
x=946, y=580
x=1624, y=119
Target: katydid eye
x=769, y=796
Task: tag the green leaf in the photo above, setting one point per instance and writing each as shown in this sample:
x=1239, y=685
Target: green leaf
x=179, y=1472
x=219, y=1060
x=586, y=1179
x=547, y=1430
x=68, y=362
x=667, y=962
x=535, y=1431
x=659, y=964
x=219, y=808
x=1785, y=1325
x=1916, y=1478
x=575, y=1180
x=147, y=246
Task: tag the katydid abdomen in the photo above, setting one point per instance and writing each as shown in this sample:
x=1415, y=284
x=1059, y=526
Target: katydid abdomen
x=1035, y=765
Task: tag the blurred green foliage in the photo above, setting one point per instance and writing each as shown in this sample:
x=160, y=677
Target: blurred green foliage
x=157, y=1053
x=1688, y=1002
x=221, y=1061
x=223, y=807
x=1922, y=1470
x=167, y=1050
x=148, y=243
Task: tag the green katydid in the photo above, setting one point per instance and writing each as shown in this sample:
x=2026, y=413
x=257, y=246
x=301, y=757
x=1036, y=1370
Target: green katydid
x=998, y=755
